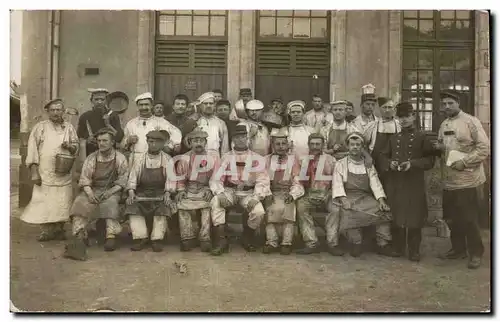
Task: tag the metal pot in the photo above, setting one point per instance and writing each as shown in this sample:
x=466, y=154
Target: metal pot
x=270, y=118
x=64, y=163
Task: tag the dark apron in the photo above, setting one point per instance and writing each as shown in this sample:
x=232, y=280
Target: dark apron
x=150, y=184
x=365, y=210
x=337, y=137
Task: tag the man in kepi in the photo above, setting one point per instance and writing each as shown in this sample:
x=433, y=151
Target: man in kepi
x=97, y=118
x=149, y=192
x=240, y=186
x=464, y=146
x=317, y=183
x=368, y=104
x=407, y=156
x=195, y=191
x=284, y=170
x=104, y=175
x=52, y=191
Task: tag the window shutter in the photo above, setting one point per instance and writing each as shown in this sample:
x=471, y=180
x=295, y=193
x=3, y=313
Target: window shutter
x=210, y=55
x=312, y=57
x=273, y=57
x=171, y=55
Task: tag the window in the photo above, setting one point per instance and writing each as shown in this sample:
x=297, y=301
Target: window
x=294, y=24
x=438, y=52
x=202, y=23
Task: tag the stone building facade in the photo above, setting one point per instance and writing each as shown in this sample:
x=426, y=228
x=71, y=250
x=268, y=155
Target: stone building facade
x=290, y=54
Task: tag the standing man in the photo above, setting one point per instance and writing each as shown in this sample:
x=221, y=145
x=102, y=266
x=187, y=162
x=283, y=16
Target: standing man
x=217, y=140
x=350, y=112
x=52, y=191
x=244, y=97
x=104, y=175
x=192, y=111
x=248, y=189
x=195, y=191
x=218, y=95
x=136, y=129
x=318, y=197
x=298, y=132
x=180, y=119
x=223, y=111
x=407, y=156
x=159, y=109
x=368, y=103
x=317, y=117
x=284, y=170
x=149, y=192
x=257, y=131
x=464, y=146
x=336, y=132
x=97, y=118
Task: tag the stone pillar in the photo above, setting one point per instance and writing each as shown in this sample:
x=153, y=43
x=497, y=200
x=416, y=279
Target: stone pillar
x=145, y=52
x=337, y=55
x=395, y=54
x=35, y=85
x=241, y=52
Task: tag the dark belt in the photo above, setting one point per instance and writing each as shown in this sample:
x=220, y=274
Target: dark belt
x=239, y=187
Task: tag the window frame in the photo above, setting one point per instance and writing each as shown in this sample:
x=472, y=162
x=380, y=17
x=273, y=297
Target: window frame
x=437, y=44
x=191, y=37
x=316, y=40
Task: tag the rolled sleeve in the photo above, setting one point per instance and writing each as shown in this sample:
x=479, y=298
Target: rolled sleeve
x=482, y=144
x=122, y=169
x=135, y=172
x=338, y=181
x=87, y=171
x=375, y=185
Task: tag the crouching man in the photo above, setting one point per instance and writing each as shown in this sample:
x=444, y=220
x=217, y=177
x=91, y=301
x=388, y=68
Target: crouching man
x=244, y=186
x=284, y=169
x=360, y=198
x=318, y=185
x=194, y=193
x=149, y=188
x=104, y=175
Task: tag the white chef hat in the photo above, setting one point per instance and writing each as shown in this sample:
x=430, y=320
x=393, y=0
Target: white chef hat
x=144, y=96
x=206, y=96
x=254, y=105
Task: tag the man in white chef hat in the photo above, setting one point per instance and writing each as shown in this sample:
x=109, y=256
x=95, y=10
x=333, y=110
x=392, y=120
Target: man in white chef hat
x=258, y=134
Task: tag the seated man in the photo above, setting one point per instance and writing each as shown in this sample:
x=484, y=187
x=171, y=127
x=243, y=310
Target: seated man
x=359, y=197
x=149, y=188
x=194, y=190
x=284, y=169
x=104, y=175
x=317, y=185
x=241, y=187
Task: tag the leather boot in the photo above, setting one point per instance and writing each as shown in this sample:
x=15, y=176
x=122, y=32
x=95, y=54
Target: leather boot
x=248, y=239
x=205, y=246
x=268, y=249
x=399, y=240
x=76, y=248
x=186, y=245
x=221, y=244
x=414, y=240
x=139, y=244
x=110, y=244
x=157, y=246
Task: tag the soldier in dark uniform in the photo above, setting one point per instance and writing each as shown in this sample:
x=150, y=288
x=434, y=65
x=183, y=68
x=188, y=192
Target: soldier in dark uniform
x=407, y=155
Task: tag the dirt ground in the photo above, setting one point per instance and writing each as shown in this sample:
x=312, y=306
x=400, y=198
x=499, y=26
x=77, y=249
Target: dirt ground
x=41, y=280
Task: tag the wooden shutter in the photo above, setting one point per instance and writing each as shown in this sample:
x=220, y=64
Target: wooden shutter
x=172, y=55
x=312, y=58
x=210, y=55
x=273, y=57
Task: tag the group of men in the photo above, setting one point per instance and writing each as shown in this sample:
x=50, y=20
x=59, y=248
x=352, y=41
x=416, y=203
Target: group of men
x=204, y=157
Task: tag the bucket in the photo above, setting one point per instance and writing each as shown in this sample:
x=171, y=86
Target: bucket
x=64, y=163
x=442, y=229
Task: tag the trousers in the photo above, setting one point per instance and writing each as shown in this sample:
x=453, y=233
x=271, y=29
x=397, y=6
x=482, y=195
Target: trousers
x=80, y=223
x=275, y=230
x=189, y=228
x=383, y=232
x=305, y=208
x=255, y=215
x=140, y=230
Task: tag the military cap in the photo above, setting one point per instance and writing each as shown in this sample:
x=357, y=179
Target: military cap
x=279, y=133
x=223, y=102
x=53, y=101
x=254, y=105
x=240, y=129
x=450, y=93
x=279, y=100
x=245, y=91
x=158, y=135
x=383, y=101
x=206, y=96
x=404, y=109
x=368, y=93
x=296, y=103
x=97, y=90
x=144, y=96
x=356, y=135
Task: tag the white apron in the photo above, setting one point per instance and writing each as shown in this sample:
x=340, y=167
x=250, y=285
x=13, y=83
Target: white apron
x=50, y=202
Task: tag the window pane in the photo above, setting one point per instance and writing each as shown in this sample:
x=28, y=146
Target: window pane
x=410, y=13
x=267, y=26
x=302, y=27
x=284, y=27
x=301, y=13
x=446, y=59
x=286, y=13
x=200, y=26
x=447, y=30
x=410, y=60
x=318, y=28
x=319, y=13
x=410, y=29
x=184, y=12
x=217, y=26
x=426, y=28
x=462, y=59
x=425, y=58
x=463, y=14
x=166, y=26
x=463, y=80
x=267, y=12
x=446, y=79
x=169, y=12
x=447, y=14
x=183, y=26
x=218, y=12
x=425, y=79
x=425, y=118
x=200, y=12
x=410, y=79
x=428, y=14
x=463, y=29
